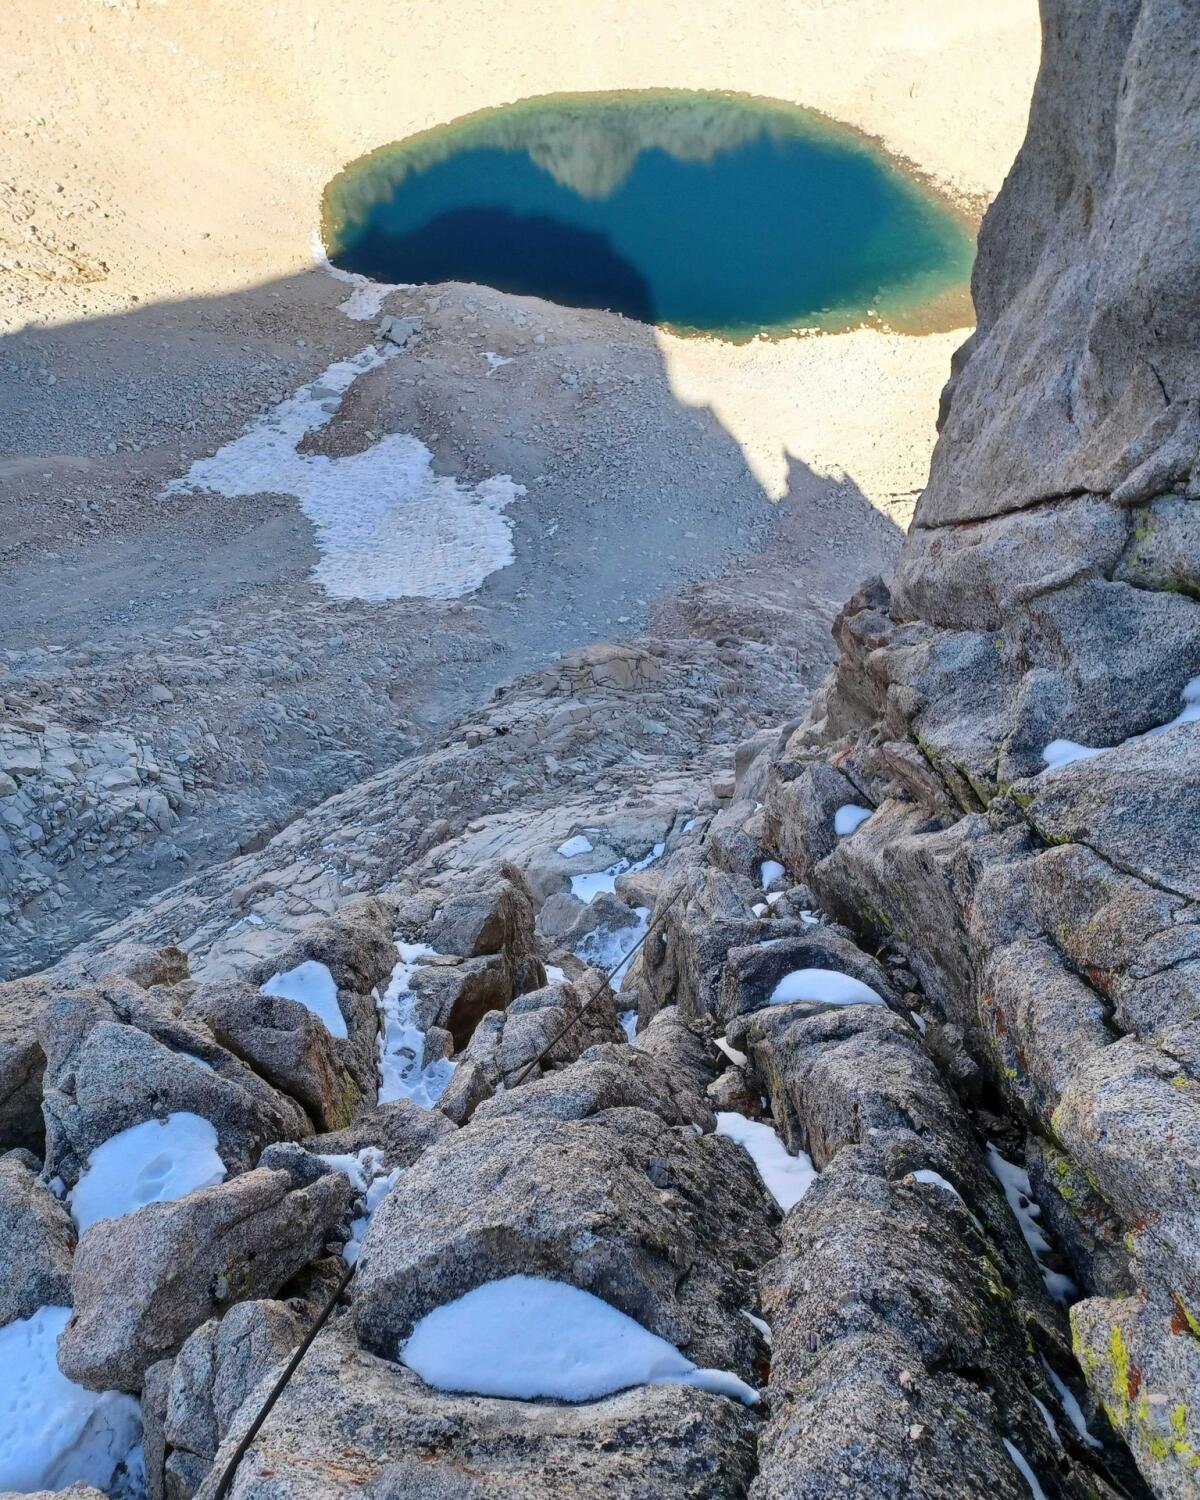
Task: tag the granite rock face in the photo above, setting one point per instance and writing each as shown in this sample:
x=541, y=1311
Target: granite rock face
x=1017, y=707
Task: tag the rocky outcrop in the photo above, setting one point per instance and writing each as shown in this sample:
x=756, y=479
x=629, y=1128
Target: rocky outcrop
x=36, y=1241
x=143, y=1282
x=1016, y=712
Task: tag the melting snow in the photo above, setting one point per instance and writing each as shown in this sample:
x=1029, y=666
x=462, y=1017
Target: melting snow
x=1063, y=752
x=769, y=871
x=1070, y=1405
x=606, y=946
x=154, y=1162
x=386, y=525
x=760, y=1323
x=787, y=1178
x=372, y=1180
x=739, y=1059
x=402, y=1043
x=586, y=887
x=1015, y=1182
x=526, y=1337
x=1027, y=1473
x=53, y=1432
x=848, y=817
x=366, y=300
x=825, y=986
x=312, y=985
x=580, y=844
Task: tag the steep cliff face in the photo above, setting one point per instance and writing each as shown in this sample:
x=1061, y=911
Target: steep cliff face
x=1084, y=369
x=1019, y=708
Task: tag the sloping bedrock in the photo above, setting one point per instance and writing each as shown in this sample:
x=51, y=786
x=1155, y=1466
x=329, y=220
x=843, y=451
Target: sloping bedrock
x=396, y=1439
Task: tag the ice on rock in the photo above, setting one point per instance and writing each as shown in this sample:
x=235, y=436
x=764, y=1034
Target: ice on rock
x=628, y=1020
x=1022, y=1464
x=580, y=844
x=1070, y=1405
x=312, y=985
x=54, y=1433
x=386, y=526
x=370, y=1178
x=528, y=1338
x=402, y=1042
x=823, y=986
x=848, y=817
x=154, y=1162
x=1015, y=1182
x=1064, y=752
x=786, y=1177
x=586, y=887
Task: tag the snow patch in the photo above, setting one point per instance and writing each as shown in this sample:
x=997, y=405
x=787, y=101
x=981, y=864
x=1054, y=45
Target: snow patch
x=1022, y=1464
x=312, y=985
x=769, y=871
x=628, y=1020
x=848, y=817
x=555, y=975
x=154, y=1162
x=760, y=1323
x=367, y=298
x=53, y=1433
x=739, y=1059
x=369, y=1177
x=1015, y=1182
x=402, y=1042
x=825, y=987
x=786, y=1177
x=613, y=947
x=1064, y=752
x=580, y=844
x=1070, y=1405
x=386, y=525
x=587, y=887
x=527, y=1337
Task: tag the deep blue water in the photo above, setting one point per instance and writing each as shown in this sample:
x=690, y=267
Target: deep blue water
x=702, y=212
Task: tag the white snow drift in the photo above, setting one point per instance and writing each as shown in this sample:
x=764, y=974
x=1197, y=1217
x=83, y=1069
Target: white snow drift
x=1063, y=752
x=313, y=986
x=786, y=1177
x=823, y=986
x=154, y=1162
x=53, y=1433
x=527, y=1337
x=402, y=1074
x=386, y=525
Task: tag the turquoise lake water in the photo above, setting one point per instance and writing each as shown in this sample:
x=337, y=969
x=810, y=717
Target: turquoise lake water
x=705, y=213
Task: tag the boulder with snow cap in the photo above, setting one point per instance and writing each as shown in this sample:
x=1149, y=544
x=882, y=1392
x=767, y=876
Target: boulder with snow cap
x=284, y=1042
x=357, y=948
x=752, y=975
x=143, y=1282
x=401, y=1440
x=116, y=1056
x=664, y=1224
x=37, y=1239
